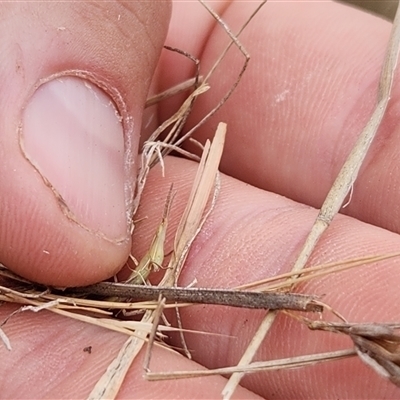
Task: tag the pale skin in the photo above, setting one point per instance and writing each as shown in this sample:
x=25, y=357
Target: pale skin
x=307, y=94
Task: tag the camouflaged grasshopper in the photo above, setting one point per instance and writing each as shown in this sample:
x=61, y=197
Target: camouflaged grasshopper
x=154, y=257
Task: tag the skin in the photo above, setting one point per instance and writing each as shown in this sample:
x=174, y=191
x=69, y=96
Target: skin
x=307, y=93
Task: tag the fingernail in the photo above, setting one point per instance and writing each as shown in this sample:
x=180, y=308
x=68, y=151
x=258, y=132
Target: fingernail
x=73, y=134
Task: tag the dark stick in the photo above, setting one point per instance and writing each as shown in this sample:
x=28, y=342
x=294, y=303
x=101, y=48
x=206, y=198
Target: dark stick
x=233, y=298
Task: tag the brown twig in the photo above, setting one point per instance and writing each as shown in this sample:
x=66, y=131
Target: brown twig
x=232, y=298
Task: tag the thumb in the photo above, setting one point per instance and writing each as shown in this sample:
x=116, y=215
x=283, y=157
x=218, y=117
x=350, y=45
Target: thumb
x=74, y=79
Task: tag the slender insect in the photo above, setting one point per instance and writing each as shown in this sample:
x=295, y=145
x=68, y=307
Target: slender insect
x=155, y=256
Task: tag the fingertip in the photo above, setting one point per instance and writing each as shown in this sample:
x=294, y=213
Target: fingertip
x=43, y=245
x=75, y=88
x=69, y=196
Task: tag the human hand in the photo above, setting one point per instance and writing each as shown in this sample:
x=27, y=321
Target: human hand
x=307, y=93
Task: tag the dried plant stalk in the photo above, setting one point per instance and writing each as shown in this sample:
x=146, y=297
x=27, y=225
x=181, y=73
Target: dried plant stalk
x=377, y=345
x=234, y=41
x=281, y=282
x=193, y=215
x=284, y=363
x=232, y=298
x=181, y=87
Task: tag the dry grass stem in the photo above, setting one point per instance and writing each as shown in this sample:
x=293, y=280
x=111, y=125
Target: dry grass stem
x=157, y=315
x=6, y=341
x=181, y=87
x=284, y=363
x=195, y=212
x=194, y=295
x=233, y=41
x=273, y=283
x=377, y=345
